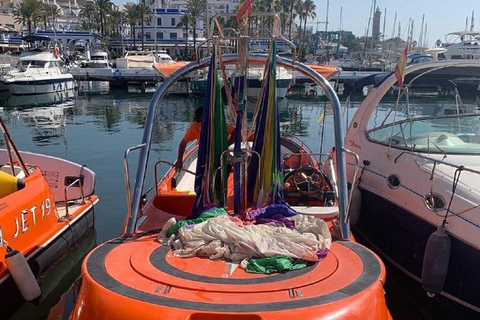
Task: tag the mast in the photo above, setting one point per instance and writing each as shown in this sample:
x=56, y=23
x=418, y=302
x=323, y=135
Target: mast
x=341, y=15
x=472, y=22
x=420, y=37
x=326, y=18
x=384, y=22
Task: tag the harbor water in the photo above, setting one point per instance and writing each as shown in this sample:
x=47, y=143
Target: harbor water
x=98, y=126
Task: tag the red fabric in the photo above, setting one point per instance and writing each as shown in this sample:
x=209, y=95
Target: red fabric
x=244, y=9
x=400, y=67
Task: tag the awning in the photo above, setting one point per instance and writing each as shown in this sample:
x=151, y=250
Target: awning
x=33, y=38
x=167, y=69
x=323, y=70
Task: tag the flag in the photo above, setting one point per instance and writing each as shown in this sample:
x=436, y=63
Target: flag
x=401, y=65
x=244, y=10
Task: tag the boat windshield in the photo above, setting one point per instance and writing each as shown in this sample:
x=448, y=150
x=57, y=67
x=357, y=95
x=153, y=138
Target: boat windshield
x=98, y=58
x=430, y=125
x=32, y=63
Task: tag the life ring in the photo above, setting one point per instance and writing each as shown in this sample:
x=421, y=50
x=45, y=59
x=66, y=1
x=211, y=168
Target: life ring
x=55, y=52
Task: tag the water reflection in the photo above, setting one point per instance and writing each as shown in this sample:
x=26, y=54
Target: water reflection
x=54, y=283
x=38, y=100
x=47, y=123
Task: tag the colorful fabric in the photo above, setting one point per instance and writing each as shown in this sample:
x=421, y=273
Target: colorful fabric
x=271, y=210
x=204, y=216
x=231, y=239
x=274, y=265
x=267, y=187
x=213, y=142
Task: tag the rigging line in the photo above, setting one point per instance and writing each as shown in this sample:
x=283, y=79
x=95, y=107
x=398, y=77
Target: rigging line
x=456, y=178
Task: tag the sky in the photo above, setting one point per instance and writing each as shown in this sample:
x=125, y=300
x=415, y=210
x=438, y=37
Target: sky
x=441, y=16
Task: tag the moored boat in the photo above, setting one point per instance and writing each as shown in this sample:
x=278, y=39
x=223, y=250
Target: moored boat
x=37, y=72
x=419, y=149
x=256, y=204
x=98, y=59
x=47, y=204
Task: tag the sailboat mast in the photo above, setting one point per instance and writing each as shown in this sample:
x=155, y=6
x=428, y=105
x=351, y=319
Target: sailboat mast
x=472, y=22
x=420, y=37
x=384, y=23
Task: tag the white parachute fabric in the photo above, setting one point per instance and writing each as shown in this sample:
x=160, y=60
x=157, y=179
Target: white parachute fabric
x=229, y=238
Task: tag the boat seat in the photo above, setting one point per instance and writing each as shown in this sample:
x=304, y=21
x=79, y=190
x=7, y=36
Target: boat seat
x=317, y=211
x=178, y=203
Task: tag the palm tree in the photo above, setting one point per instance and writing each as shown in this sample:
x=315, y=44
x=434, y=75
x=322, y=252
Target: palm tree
x=145, y=15
x=185, y=22
x=292, y=17
x=132, y=19
x=309, y=9
x=50, y=13
x=300, y=10
x=196, y=9
x=115, y=20
x=28, y=12
x=88, y=13
x=103, y=9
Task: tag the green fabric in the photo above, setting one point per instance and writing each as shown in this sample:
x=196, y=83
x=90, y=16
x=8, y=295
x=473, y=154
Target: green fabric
x=274, y=264
x=204, y=216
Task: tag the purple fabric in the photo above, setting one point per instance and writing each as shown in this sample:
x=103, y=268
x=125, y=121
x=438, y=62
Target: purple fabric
x=278, y=218
x=272, y=210
x=322, y=254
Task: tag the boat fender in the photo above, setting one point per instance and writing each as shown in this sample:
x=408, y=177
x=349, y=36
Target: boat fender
x=22, y=275
x=9, y=184
x=355, y=206
x=435, y=261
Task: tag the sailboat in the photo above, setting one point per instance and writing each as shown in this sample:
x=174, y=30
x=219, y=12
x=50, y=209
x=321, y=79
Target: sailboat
x=253, y=230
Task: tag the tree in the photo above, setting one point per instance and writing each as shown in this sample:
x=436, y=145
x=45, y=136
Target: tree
x=132, y=19
x=293, y=15
x=115, y=21
x=28, y=12
x=300, y=10
x=196, y=9
x=144, y=15
x=50, y=13
x=309, y=8
x=185, y=23
x=88, y=13
x=103, y=8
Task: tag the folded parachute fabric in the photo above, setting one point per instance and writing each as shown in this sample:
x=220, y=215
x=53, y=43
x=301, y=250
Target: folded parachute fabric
x=204, y=216
x=222, y=237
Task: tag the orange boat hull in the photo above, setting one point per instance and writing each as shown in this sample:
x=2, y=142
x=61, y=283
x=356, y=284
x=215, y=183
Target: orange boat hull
x=141, y=279
x=30, y=219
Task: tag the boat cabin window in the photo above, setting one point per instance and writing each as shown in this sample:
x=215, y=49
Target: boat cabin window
x=429, y=124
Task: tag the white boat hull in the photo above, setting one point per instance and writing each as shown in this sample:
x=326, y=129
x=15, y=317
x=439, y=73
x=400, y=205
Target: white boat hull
x=43, y=85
